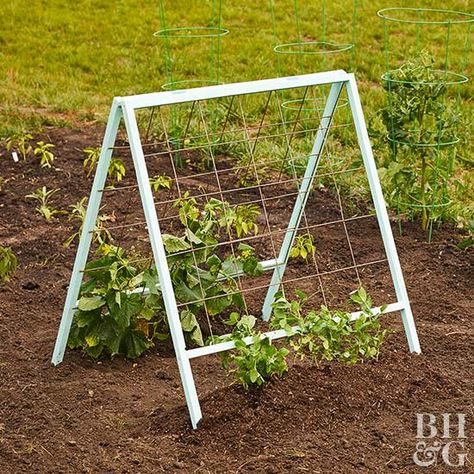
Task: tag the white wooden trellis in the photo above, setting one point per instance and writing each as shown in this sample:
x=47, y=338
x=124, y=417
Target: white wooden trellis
x=125, y=107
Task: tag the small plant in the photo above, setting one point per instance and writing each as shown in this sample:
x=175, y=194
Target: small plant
x=101, y=233
x=8, y=263
x=303, y=247
x=112, y=318
x=43, y=196
x=116, y=171
x=330, y=335
x=160, y=181
x=256, y=363
x=43, y=151
x=20, y=142
x=91, y=159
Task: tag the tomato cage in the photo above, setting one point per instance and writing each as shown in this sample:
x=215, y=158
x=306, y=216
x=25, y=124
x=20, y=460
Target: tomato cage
x=426, y=82
x=269, y=179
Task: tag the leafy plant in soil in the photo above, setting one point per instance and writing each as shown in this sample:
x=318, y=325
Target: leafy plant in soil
x=419, y=120
x=330, y=335
x=8, y=263
x=303, y=247
x=78, y=213
x=120, y=309
x=256, y=363
x=21, y=143
x=114, y=314
x=160, y=181
x=116, y=171
x=43, y=151
x=43, y=197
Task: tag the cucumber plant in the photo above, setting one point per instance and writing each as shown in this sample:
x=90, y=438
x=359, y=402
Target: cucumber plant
x=120, y=309
x=252, y=364
x=112, y=316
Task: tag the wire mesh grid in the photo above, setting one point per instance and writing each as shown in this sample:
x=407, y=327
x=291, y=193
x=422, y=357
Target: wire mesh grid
x=227, y=175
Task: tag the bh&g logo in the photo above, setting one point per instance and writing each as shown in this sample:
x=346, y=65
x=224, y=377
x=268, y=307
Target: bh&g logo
x=449, y=448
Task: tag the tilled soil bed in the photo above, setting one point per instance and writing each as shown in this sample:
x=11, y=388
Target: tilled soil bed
x=122, y=417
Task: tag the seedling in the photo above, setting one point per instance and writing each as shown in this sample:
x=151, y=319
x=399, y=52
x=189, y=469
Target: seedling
x=20, y=142
x=101, y=233
x=43, y=151
x=91, y=159
x=303, y=247
x=160, y=181
x=116, y=171
x=43, y=196
x=254, y=364
x=8, y=263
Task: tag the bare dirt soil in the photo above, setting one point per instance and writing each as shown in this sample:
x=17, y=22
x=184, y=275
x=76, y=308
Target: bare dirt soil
x=119, y=416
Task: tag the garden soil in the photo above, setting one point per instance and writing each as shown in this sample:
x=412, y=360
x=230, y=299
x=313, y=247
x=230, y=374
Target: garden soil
x=119, y=416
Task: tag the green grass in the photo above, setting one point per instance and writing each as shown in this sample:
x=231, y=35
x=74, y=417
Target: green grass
x=64, y=61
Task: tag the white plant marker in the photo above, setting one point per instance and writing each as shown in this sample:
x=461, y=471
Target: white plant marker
x=125, y=107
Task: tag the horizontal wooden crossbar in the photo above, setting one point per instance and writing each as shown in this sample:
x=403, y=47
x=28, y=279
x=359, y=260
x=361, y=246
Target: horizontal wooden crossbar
x=157, y=99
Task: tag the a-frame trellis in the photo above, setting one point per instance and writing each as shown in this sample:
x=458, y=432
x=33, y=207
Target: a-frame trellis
x=124, y=108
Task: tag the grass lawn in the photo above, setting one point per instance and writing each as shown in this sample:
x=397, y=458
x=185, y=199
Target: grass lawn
x=64, y=61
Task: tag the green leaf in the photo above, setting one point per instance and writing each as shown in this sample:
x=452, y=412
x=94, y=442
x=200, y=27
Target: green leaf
x=90, y=303
x=134, y=343
x=254, y=375
x=190, y=324
x=174, y=244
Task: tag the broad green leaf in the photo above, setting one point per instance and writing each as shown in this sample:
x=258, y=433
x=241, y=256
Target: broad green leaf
x=90, y=303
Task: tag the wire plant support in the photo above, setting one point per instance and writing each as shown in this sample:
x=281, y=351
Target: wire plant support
x=181, y=71
x=284, y=197
x=310, y=47
x=424, y=107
